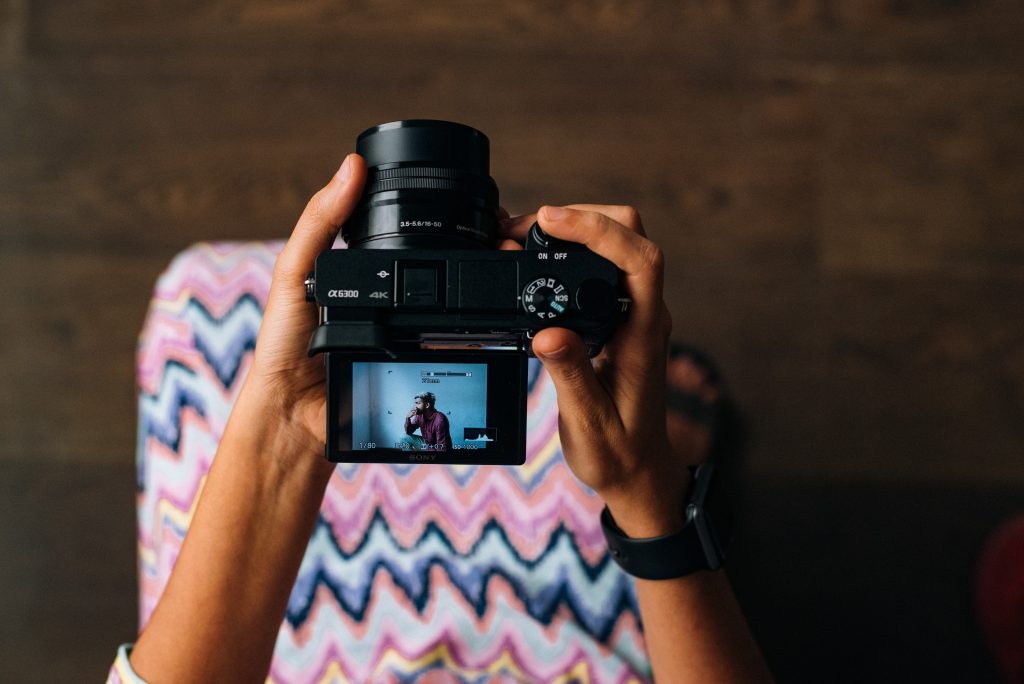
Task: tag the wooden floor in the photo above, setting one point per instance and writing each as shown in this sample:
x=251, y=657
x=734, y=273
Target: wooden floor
x=838, y=188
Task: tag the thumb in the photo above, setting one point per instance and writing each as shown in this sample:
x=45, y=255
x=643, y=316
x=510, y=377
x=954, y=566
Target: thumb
x=289, y=319
x=582, y=400
x=323, y=216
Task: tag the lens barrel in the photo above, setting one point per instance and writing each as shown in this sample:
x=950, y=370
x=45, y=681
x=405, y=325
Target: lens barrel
x=427, y=186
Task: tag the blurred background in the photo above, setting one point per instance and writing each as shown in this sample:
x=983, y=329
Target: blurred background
x=839, y=188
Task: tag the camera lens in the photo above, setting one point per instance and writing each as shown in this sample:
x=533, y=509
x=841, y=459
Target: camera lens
x=427, y=186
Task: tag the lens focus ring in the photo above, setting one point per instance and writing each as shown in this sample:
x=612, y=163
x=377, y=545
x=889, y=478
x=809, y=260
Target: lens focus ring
x=422, y=172
x=490, y=194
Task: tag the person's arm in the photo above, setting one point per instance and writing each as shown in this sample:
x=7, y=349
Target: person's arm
x=693, y=626
x=612, y=425
x=219, y=616
x=410, y=426
x=220, y=613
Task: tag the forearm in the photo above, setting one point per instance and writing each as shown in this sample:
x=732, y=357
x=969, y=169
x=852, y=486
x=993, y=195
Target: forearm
x=695, y=631
x=223, y=606
x=693, y=626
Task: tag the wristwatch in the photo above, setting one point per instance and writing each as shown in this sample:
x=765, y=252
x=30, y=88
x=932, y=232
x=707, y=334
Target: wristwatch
x=702, y=543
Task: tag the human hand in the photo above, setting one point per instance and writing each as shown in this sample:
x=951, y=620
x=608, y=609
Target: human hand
x=612, y=420
x=285, y=388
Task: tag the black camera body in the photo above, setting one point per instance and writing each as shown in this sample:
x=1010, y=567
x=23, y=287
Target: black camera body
x=396, y=301
x=423, y=300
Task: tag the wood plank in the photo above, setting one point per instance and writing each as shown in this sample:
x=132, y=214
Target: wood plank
x=811, y=29
x=68, y=568
x=70, y=322
x=921, y=172
x=917, y=378
x=13, y=32
x=726, y=173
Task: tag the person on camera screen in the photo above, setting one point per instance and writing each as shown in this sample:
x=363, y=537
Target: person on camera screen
x=432, y=424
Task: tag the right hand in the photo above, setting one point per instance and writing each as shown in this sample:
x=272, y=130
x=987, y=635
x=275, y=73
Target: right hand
x=612, y=417
x=410, y=414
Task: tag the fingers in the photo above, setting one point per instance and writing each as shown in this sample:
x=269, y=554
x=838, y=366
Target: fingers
x=510, y=245
x=319, y=224
x=640, y=260
x=627, y=216
x=638, y=372
x=614, y=232
x=516, y=227
x=582, y=401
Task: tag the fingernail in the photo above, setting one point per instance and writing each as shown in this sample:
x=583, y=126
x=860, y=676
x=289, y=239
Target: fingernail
x=555, y=354
x=346, y=169
x=553, y=213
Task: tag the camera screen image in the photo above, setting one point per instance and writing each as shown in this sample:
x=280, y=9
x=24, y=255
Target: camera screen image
x=486, y=434
x=420, y=406
x=431, y=406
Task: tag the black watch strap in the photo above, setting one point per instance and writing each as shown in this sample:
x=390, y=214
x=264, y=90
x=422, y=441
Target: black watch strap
x=655, y=558
x=701, y=544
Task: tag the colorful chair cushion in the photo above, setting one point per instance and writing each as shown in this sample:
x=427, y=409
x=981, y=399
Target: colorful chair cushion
x=415, y=573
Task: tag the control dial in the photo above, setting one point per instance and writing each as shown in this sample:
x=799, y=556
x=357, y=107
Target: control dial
x=546, y=298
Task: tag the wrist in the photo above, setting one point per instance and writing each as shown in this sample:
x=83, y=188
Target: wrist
x=277, y=444
x=701, y=543
x=653, y=508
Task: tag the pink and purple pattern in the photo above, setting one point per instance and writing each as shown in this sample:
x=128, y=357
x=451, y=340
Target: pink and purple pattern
x=414, y=573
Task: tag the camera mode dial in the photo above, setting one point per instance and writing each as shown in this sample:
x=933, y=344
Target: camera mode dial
x=546, y=298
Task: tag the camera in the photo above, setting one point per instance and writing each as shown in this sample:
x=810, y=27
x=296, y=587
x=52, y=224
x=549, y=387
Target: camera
x=425, y=326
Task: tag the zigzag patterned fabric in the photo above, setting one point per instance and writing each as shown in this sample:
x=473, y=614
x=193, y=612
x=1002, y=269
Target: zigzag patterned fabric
x=415, y=573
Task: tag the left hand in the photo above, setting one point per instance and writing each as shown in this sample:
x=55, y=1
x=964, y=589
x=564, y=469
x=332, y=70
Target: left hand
x=285, y=389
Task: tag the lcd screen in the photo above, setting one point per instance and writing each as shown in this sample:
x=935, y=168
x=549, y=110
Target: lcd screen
x=439, y=407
